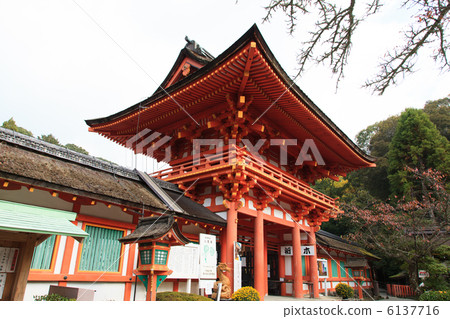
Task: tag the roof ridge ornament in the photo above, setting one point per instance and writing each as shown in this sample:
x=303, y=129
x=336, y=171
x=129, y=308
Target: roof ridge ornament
x=195, y=47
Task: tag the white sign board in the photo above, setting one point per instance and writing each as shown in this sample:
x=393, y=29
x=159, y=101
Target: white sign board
x=208, y=256
x=8, y=259
x=423, y=274
x=287, y=251
x=183, y=260
x=237, y=283
x=308, y=250
x=2, y=284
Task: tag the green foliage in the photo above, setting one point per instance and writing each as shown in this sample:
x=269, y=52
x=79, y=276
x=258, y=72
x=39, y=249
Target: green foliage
x=364, y=137
x=435, y=296
x=179, y=296
x=52, y=297
x=49, y=139
x=11, y=124
x=367, y=186
x=417, y=144
x=439, y=113
x=77, y=148
x=344, y=291
x=375, y=141
x=246, y=294
x=407, y=229
x=438, y=266
x=442, y=253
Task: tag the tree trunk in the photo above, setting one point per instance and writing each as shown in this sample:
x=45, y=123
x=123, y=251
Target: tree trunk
x=414, y=277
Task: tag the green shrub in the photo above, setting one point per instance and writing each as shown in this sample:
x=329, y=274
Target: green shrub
x=344, y=290
x=435, y=296
x=52, y=297
x=179, y=296
x=246, y=294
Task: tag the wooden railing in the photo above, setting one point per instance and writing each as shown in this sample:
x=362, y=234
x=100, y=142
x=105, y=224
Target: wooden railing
x=400, y=290
x=233, y=155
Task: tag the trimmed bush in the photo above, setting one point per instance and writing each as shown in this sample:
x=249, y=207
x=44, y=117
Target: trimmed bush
x=179, y=296
x=52, y=297
x=344, y=291
x=435, y=296
x=246, y=294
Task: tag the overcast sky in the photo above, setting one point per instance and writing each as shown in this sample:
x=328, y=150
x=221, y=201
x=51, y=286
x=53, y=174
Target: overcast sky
x=58, y=66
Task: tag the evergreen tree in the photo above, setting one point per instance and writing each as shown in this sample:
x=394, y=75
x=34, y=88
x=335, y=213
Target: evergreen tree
x=416, y=143
x=439, y=113
x=76, y=148
x=49, y=139
x=11, y=124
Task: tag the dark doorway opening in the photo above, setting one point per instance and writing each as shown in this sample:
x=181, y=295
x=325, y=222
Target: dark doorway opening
x=247, y=267
x=273, y=274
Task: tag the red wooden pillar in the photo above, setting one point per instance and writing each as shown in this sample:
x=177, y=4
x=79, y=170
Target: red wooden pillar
x=360, y=294
x=259, y=254
x=266, y=270
x=231, y=239
x=297, y=262
x=313, y=264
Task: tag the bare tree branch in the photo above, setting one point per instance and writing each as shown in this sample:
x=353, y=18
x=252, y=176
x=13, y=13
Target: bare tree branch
x=432, y=22
x=336, y=23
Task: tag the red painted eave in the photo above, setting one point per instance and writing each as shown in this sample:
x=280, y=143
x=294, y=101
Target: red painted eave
x=272, y=89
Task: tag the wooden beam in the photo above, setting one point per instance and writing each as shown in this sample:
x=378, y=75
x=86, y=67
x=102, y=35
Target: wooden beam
x=23, y=267
x=251, y=53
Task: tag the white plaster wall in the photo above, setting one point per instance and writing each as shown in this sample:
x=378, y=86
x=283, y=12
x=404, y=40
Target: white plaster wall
x=218, y=200
x=60, y=254
x=287, y=236
x=289, y=288
x=165, y=286
x=288, y=265
x=37, y=289
x=207, y=202
x=104, y=291
x=125, y=256
x=140, y=291
x=278, y=213
x=73, y=259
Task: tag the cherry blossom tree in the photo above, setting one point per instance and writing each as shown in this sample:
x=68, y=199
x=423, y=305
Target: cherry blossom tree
x=407, y=229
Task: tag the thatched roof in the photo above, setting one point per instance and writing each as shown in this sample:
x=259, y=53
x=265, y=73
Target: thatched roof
x=35, y=162
x=326, y=239
x=25, y=165
x=356, y=263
